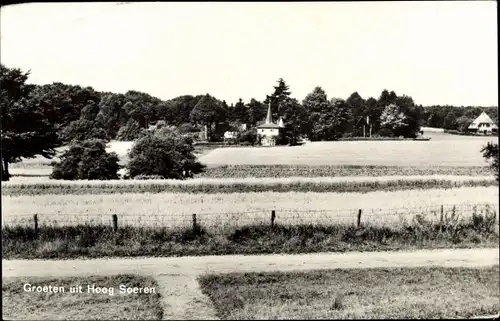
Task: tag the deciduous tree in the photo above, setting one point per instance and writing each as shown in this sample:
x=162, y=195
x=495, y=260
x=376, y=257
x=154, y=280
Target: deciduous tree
x=86, y=160
x=165, y=154
x=208, y=111
x=26, y=131
x=393, y=120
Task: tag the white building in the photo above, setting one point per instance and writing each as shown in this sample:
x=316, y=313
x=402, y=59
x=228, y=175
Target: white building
x=230, y=137
x=270, y=131
x=483, y=125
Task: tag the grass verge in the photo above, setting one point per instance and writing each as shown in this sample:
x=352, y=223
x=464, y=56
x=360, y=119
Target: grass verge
x=19, y=304
x=398, y=293
x=480, y=230
x=166, y=186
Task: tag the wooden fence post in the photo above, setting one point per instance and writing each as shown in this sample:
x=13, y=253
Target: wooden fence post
x=115, y=223
x=195, y=227
x=35, y=217
x=359, y=217
x=273, y=217
x=441, y=219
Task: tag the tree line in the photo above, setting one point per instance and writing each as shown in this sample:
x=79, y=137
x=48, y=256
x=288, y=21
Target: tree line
x=35, y=119
x=456, y=118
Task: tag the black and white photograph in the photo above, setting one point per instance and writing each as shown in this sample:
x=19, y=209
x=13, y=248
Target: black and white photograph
x=249, y=160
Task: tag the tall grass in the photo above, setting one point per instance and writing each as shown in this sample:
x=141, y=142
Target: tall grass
x=206, y=186
x=99, y=240
x=169, y=209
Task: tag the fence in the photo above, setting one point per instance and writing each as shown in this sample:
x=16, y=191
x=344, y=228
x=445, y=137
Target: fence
x=222, y=221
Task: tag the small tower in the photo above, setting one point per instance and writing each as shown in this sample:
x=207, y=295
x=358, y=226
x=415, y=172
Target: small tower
x=281, y=123
x=269, y=131
x=269, y=117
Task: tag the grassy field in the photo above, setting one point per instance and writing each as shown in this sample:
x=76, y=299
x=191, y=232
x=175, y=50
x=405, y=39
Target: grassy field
x=18, y=304
x=172, y=210
x=443, y=150
x=98, y=240
x=248, y=185
x=459, y=152
x=398, y=293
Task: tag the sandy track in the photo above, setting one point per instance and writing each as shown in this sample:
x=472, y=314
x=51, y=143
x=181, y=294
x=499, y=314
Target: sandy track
x=250, y=263
x=182, y=299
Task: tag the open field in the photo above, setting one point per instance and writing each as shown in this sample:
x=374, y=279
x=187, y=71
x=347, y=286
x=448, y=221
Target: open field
x=20, y=305
x=443, y=150
x=460, y=152
x=176, y=209
x=397, y=293
x=246, y=185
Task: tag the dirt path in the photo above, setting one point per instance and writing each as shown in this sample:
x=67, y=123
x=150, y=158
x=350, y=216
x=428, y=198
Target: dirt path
x=183, y=300
x=249, y=263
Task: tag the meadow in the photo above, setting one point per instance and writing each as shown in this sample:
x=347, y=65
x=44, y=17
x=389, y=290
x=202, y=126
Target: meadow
x=316, y=188
x=236, y=209
x=247, y=185
x=20, y=305
x=395, y=293
x=458, y=152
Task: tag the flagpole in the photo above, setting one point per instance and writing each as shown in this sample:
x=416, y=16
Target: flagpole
x=369, y=124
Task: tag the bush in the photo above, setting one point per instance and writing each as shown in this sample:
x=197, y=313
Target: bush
x=86, y=160
x=249, y=137
x=386, y=132
x=490, y=153
x=131, y=131
x=82, y=129
x=166, y=155
x=187, y=128
x=146, y=177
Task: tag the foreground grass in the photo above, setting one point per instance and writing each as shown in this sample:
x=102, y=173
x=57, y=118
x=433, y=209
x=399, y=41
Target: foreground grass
x=250, y=185
x=480, y=230
x=20, y=305
x=404, y=293
x=240, y=171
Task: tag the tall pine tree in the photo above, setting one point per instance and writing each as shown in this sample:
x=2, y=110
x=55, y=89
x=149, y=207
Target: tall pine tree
x=281, y=94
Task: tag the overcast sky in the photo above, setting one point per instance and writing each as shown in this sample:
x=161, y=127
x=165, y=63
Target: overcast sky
x=436, y=52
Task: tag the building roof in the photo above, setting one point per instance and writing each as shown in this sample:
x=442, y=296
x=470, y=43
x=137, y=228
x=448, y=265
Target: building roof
x=271, y=125
x=483, y=118
x=268, y=123
x=269, y=118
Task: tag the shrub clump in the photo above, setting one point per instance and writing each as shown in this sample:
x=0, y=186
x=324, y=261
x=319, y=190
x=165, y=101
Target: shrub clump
x=164, y=154
x=146, y=177
x=490, y=153
x=86, y=160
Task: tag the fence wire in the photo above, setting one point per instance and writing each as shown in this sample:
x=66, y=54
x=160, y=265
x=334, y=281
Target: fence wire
x=279, y=216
